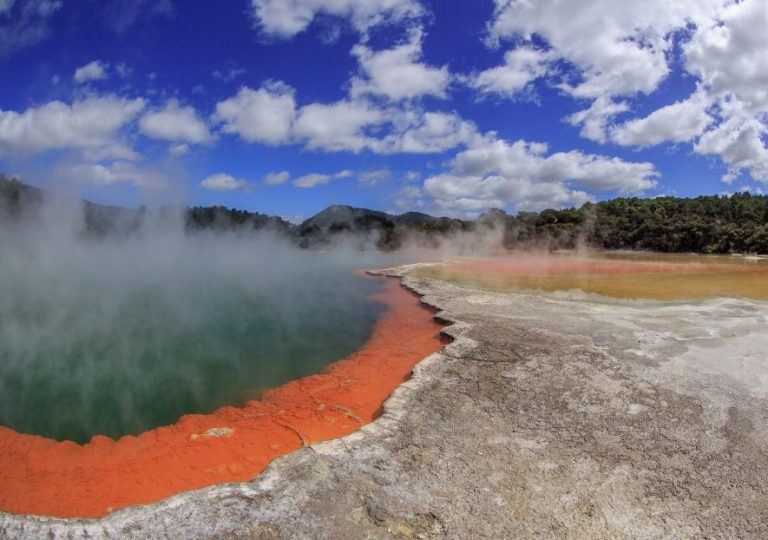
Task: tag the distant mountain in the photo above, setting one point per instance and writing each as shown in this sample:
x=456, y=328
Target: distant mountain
x=390, y=230
x=340, y=216
x=411, y=218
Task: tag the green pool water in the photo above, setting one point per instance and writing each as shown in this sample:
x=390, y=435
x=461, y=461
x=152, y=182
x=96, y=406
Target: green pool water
x=118, y=339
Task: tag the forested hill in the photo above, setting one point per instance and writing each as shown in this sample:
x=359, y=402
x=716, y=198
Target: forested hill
x=709, y=224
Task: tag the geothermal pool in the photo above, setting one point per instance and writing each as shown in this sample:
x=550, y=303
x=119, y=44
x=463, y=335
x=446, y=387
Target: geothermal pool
x=623, y=275
x=134, y=369
x=111, y=342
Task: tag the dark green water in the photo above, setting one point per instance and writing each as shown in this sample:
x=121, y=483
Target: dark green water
x=115, y=340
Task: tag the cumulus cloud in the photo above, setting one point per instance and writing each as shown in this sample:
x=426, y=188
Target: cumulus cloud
x=496, y=173
x=739, y=140
x=371, y=178
x=223, y=182
x=117, y=172
x=614, y=55
x=397, y=73
x=429, y=132
x=680, y=122
x=270, y=115
x=110, y=150
x=618, y=50
x=93, y=71
x=522, y=65
x=179, y=149
x=276, y=178
x=286, y=18
x=316, y=179
x=175, y=123
x=730, y=56
x=265, y=115
x=595, y=119
x=360, y=125
x=91, y=123
x=338, y=126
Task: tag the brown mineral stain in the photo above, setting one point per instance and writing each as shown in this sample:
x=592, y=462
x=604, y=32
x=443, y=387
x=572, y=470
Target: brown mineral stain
x=43, y=476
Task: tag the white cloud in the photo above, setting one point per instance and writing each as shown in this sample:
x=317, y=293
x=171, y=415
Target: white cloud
x=360, y=125
x=429, y=132
x=277, y=178
x=626, y=52
x=264, y=115
x=730, y=54
x=371, y=178
x=118, y=172
x=110, y=150
x=91, y=123
x=94, y=71
x=228, y=73
x=6, y=5
x=678, y=122
x=595, y=119
x=739, y=140
x=522, y=65
x=123, y=70
x=317, y=179
x=338, y=126
x=618, y=51
x=179, y=149
x=495, y=173
x=286, y=18
x=270, y=115
x=397, y=73
x=312, y=180
x=223, y=182
x=27, y=25
x=174, y=123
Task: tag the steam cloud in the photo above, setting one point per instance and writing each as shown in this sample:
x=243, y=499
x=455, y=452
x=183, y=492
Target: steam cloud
x=116, y=335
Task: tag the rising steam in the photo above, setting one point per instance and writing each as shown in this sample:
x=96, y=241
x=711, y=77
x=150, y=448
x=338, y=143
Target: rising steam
x=120, y=334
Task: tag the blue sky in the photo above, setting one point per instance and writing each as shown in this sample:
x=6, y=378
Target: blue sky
x=446, y=107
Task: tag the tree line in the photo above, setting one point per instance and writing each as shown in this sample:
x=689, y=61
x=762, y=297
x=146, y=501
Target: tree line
x=735, y=223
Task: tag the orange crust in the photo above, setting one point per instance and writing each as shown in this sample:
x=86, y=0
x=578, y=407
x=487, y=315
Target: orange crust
x=46, y=477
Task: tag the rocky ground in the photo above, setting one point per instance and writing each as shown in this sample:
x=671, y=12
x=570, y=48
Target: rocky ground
x=546, y=417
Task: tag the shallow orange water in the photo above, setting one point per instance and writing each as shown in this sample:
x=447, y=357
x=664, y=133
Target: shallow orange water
x=619, y=275
x=43, y=476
